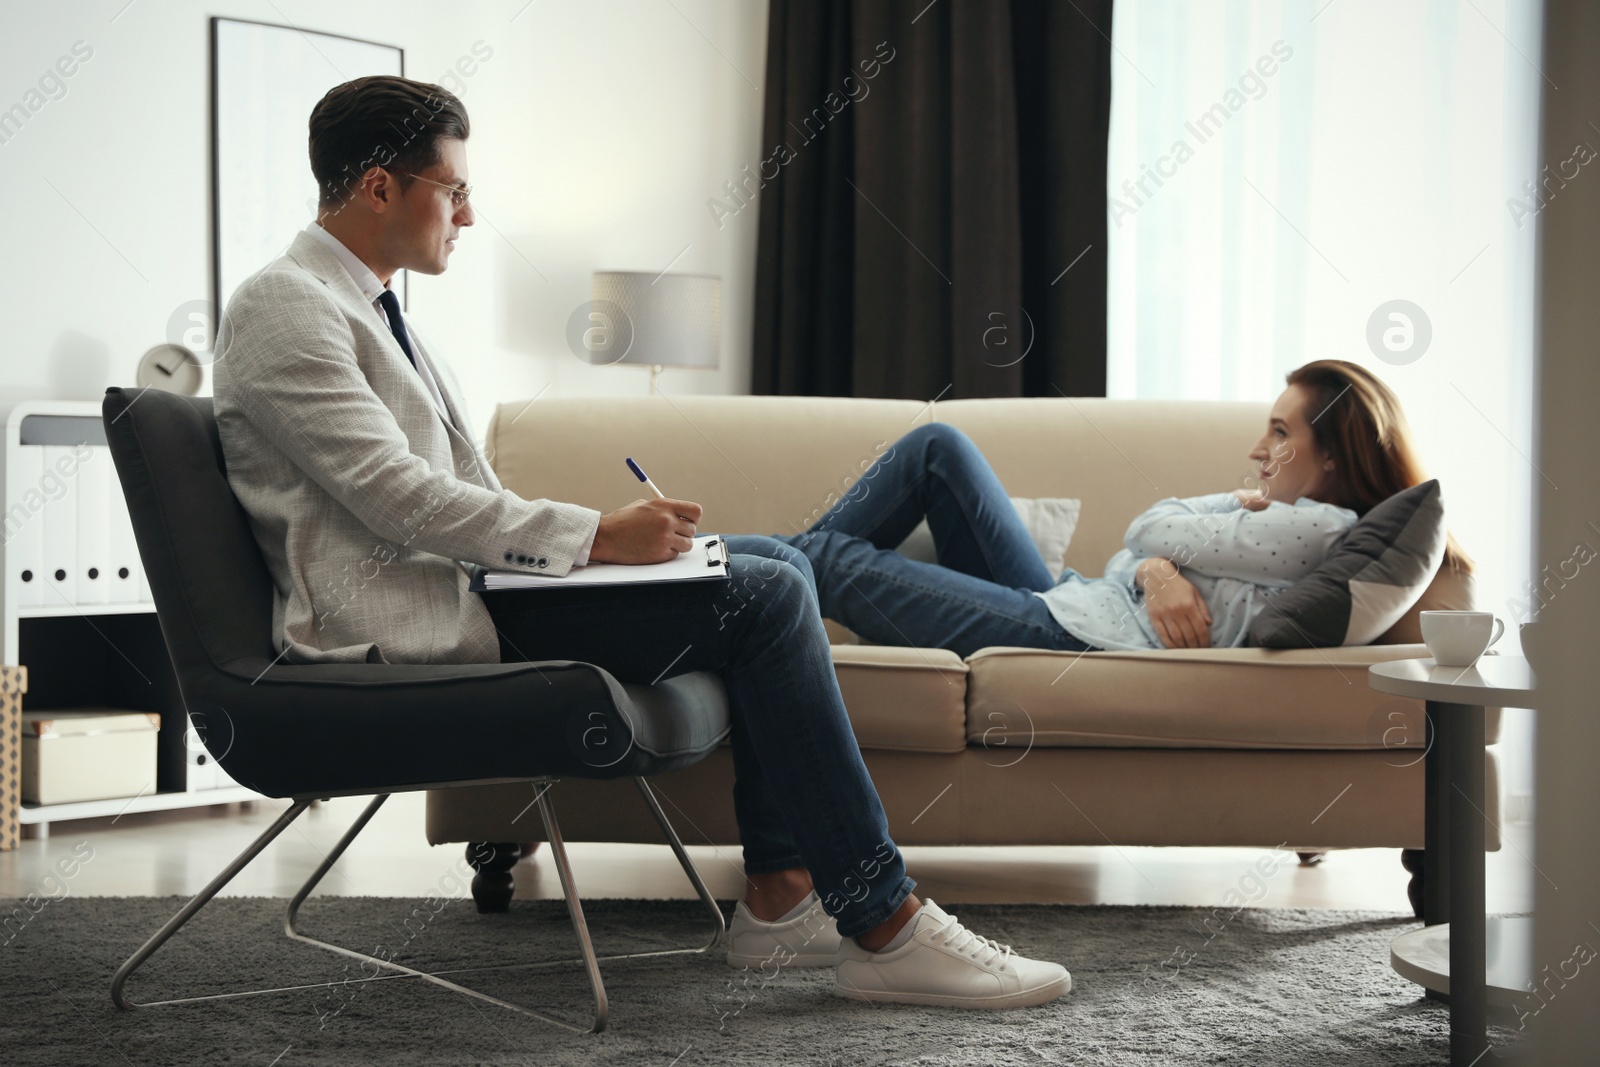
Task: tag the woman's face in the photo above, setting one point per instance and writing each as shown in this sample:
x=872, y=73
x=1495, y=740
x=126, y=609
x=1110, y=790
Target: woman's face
x=1288, y=462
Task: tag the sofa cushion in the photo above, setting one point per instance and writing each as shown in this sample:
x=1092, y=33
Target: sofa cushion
x=1245, y=698
x=904, y=699
x=1367, y=582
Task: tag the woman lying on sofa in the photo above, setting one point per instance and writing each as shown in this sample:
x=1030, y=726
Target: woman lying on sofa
x=1194, y=572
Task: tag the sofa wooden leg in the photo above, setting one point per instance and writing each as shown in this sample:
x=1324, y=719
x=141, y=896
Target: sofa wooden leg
x=492, y=884
x=1411, y=860
x=1310, y=859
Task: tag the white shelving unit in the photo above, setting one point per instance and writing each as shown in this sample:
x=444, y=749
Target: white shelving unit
x=76, y=609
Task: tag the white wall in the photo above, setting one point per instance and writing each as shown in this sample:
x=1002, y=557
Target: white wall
x=599, y=130
x=1562, y=1028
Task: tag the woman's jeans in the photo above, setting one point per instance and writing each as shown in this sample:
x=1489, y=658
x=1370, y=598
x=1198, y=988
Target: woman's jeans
x=979, y=594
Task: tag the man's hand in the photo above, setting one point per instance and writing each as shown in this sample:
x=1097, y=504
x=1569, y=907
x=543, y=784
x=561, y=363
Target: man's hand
x=646, y=531
x=1177, y=610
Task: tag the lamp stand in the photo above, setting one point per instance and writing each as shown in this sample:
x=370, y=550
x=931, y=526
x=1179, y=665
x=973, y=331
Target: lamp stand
x=655, y=372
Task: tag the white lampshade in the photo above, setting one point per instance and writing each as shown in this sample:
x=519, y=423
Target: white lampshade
x=669, y=320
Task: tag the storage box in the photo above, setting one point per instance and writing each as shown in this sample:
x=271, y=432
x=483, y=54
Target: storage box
x=73, y=754
x=13, y=683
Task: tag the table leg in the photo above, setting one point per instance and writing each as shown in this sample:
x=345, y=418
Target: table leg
x=1436, y=816
x=1460, y=733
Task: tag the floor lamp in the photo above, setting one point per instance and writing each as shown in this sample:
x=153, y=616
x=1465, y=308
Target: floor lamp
x=655, y=320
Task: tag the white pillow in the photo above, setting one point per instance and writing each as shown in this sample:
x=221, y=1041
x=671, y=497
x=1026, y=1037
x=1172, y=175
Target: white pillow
x=1050, y=522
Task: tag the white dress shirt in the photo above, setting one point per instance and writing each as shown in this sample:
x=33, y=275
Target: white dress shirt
x=372, y=289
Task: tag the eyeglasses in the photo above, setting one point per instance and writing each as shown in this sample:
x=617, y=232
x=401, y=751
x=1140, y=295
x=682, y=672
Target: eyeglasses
x=458, y=193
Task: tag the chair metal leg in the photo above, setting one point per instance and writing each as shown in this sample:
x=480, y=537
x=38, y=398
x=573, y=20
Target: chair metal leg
x=227, y=875
x=325, y=866
x=291, y=914
x=720, y=925
x=394, y=970
x=200, y=900
x=436, y=977
x=558, y=852
x=590, y=960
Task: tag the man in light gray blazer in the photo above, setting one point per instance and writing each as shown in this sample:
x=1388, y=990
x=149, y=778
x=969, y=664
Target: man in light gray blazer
x=352, y=470
x=348, y=445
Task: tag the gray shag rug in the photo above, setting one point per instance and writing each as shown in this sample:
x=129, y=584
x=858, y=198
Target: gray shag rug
x=1151, y=985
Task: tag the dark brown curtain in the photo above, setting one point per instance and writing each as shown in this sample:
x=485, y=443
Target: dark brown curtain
x=933, y=218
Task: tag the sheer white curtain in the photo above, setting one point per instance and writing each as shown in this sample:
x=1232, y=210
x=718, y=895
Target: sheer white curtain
x=1280, y=171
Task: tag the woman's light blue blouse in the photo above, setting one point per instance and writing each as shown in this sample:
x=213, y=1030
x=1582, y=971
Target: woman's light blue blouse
x=1234, y=557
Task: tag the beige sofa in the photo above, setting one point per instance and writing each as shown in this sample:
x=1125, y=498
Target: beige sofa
x=1234, y=747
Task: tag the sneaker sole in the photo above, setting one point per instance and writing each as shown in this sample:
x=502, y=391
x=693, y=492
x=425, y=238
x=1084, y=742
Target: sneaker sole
x=1022, y=998
x=755, y=963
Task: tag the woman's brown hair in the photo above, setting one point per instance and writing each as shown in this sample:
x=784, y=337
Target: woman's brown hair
x=1357, y=421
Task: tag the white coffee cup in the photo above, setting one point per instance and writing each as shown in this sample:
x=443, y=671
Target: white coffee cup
x=1458, y=638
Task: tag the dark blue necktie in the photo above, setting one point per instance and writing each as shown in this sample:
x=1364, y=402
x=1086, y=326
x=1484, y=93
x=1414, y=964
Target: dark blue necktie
x=397, y=325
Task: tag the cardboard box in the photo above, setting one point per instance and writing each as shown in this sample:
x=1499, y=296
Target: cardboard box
x=13, y=683
x=74, y=754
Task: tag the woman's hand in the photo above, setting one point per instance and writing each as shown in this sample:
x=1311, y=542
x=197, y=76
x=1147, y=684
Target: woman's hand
x=1176, y=609
x=1252, y=499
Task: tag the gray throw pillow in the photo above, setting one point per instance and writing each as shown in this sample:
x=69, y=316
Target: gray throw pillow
x=1368, y=581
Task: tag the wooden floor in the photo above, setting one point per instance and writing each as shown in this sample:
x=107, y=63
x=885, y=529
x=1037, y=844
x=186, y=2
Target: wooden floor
x=164, y=853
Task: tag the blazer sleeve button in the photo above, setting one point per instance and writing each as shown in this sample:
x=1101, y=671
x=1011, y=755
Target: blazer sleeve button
x=521, y=558
x=543, y=562
x=509, y=557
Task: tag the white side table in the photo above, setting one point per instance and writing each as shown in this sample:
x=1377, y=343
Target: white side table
x=1451, y=958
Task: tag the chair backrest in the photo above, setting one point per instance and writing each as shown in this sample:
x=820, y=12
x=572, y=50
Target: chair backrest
x=212, y=591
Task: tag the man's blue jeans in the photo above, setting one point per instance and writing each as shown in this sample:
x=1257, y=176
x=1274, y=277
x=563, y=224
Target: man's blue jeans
x=981, y=591
x=802, y=795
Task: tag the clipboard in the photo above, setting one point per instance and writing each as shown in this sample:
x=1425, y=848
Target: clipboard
x=706, y=561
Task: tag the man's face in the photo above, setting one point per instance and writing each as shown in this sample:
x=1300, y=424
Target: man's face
x=426, y=220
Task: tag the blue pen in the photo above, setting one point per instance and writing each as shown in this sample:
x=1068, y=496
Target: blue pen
x=634, y=467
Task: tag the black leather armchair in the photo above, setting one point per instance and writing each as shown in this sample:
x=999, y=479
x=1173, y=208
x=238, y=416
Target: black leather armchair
x=308, y=732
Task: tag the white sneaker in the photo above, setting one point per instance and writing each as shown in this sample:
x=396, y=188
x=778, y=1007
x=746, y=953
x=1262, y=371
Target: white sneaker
x=946, y=965
x=809, y=940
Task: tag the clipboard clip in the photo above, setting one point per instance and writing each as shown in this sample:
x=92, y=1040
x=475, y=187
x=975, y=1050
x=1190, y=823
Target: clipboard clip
x=716, y=553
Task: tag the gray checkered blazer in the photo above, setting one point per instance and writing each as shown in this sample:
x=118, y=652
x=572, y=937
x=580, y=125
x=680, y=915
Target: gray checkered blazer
x=364, y=498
